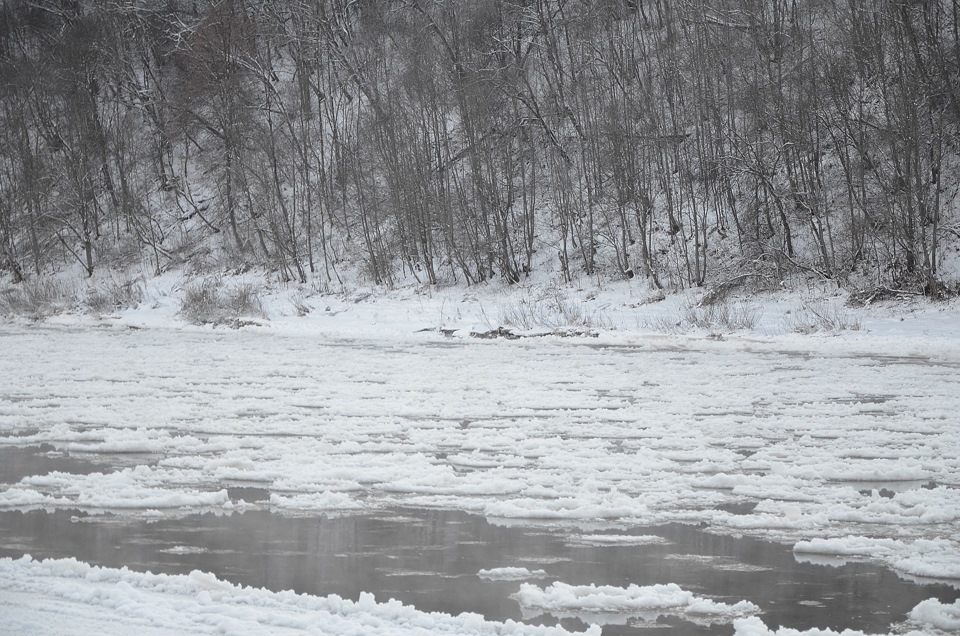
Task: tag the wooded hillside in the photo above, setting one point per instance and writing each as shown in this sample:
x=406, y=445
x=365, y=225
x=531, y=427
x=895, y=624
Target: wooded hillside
x=681, y=141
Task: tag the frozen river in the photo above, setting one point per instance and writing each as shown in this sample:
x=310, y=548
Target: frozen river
x=578, y=456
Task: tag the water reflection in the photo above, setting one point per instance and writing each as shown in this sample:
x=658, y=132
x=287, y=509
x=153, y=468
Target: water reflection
x=17, y=463
x=432, y=560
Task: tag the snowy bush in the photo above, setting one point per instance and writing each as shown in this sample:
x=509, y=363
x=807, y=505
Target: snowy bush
x=36, y=298
x=113, y=294
x=818, y=315
x=719, y=315
x=210, y=302
x=730, y=316
x=550, y=307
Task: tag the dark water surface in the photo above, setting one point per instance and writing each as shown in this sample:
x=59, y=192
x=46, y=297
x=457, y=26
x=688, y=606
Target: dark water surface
x=430, y=559
x=17, y=463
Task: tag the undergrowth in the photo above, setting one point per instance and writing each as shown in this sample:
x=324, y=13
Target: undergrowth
x=718, y=316
x=211, y=302
x=818, y=315
x=37, y=298
x=551, y=307
x=114, y=294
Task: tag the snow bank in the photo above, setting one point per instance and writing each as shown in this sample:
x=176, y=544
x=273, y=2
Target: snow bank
x=44, y=596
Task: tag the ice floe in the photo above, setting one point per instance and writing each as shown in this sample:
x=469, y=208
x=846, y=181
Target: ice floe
x=611, y=604
x=510, y=574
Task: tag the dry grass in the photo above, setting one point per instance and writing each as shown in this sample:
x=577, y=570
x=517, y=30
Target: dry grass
x=551, y=308
x=211, y=302
x=114, y=294
x=37, y=299
x=818, y=315
x=718, y=316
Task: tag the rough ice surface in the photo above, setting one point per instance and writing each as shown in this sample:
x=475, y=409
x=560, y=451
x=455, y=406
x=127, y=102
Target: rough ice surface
x=842, y=446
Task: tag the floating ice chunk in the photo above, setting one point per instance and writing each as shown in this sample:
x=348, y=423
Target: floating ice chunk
x=933, y=613
x=927, y=558
x=930, y=558
x=140, y=498
x=315, y=501
x=790, y=518
x=876, y=470
x=128, y=445
x=633, y=600
x=928, y=615
x=725, y=481
x=510, y=574
x=850, y=546
x=753, y=626
x=127, y=497
x=620, y=539
x=27, y=499
x=612, y=505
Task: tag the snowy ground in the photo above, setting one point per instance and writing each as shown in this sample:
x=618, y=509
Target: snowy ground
x=846, y=442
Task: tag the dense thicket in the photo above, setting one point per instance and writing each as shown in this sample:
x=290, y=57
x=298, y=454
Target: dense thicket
x=456, y=140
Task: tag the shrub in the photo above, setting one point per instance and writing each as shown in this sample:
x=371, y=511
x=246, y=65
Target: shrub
x=728, y=316
x=720, y=315
x=818, y=315
x=551, y=308
x=36, y=299
x=114, y=294
x=210, y=302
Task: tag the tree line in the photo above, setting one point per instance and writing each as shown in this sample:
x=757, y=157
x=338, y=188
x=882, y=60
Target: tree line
x=677, y=141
